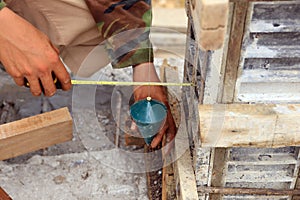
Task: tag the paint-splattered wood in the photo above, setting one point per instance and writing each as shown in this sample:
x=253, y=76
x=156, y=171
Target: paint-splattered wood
x=185, y=180
x=234, y=48
x=252, y=191
x=34, y=133
x=256, y=125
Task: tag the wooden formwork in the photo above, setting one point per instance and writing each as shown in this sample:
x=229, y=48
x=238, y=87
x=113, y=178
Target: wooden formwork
x=258, y=63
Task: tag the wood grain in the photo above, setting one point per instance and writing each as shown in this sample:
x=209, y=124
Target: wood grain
x=234, y=50
x=34, y=133
x=210, y=21
x=244, y=125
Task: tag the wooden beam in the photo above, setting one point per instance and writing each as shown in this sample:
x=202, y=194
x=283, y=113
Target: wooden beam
x=252, y=191
x=172, y=18
x=244, y=125
x=210, y=19
x=258, y=0
x=34, y=133
x=183, y=167
x=219, y=170
x=234, y=50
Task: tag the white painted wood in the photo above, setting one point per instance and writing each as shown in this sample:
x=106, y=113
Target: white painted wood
x=256, y=125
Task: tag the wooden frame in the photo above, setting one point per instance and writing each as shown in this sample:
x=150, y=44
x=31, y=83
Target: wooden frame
x=217, y=84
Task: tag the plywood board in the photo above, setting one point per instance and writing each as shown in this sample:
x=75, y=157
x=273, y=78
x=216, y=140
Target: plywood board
x=34, y=133
x=255, y=125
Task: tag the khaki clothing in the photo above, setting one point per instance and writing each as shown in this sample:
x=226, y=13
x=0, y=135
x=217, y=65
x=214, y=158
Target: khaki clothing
x=92, y=31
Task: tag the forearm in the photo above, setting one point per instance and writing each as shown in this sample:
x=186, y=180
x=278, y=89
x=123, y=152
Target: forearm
x=26, y=52
x=145, y=72
x=124, y=25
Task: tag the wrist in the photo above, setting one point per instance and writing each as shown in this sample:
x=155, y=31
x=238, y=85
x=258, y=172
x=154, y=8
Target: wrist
x=145, y=72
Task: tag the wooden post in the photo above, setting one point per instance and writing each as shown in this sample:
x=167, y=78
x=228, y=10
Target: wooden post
x=210, y=17
x=185, y=181
x=252, y=191
x=34, y=133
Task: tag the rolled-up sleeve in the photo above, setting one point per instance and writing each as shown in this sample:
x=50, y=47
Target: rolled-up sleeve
x=124, y=27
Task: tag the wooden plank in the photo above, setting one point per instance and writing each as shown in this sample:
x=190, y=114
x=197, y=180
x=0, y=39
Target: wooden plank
x=288, y=10
x=259, y=0
x=273, y=185
x=154, y=164
x=287, y=93
x=257, y=176
x=270, y=76
x=255, y=125
x=168, y=3
x=269, y=26
x=261, y=51
x=234, y=50
x=172, y=18
x=255, y=197
x=4, y=195
x=216, y=67
x=34, y=133
x=183, y=167
x=168, y=180
x=272, y=64
x=252, y=191
x=219, y=170
x=210, y=19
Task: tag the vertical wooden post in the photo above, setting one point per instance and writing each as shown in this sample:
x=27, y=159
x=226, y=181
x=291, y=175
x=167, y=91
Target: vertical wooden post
x=234, y=50
x=4, y=195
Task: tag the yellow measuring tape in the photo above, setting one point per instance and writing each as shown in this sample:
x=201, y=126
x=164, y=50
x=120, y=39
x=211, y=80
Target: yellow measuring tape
x=87, y=82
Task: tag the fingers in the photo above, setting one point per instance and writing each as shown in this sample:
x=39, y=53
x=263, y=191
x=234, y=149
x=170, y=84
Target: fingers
x=63, y=76
x=35, y=87
x=19, y=81
x=169, y=129
x=158, y=138
x=48, y=85
x=61, y=72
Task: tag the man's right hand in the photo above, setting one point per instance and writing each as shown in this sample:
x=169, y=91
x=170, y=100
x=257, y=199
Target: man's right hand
x=28, y=53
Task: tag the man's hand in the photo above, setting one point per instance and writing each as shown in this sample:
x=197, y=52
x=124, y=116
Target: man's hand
x=28, y=53
x=146, y=72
